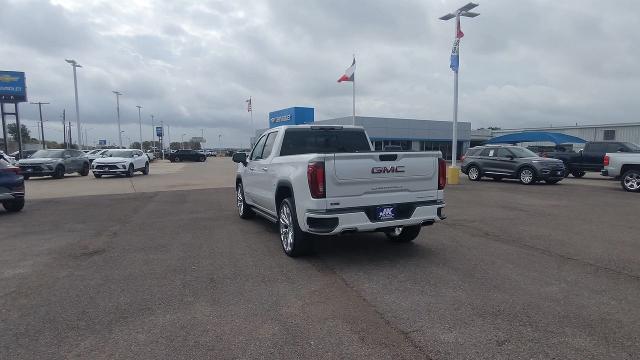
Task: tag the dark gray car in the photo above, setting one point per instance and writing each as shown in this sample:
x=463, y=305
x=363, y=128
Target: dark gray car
x=508, y=161
x=55, y=163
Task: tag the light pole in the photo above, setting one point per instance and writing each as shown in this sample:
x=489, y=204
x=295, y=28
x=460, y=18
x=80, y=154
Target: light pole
x=153, y=134
x=182, y=141
x=118, y=114
x=86, y=136
x=75, y=65
x=220, y=140
x=120, y=137
x=140, y=123
x=463, y=11
x=41, y=123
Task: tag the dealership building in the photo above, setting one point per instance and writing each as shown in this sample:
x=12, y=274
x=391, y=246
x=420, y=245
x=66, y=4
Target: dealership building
x=409, y=134
x=623, y=132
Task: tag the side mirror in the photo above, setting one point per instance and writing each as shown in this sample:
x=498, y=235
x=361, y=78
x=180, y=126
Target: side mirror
x=510, y=157
x=621, y=150
x=580, y=151
x=240, y=158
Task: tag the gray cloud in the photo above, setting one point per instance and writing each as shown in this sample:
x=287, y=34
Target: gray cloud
x=194, y=63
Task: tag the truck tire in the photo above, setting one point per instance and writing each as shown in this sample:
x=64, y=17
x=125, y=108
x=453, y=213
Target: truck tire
x=13, y=205
x=527, y=175
x=578, y=173
x=474, y=173
x=631, y=180
x=145, y=170
x=293, y=240
x=244, y=210
x=404, y=234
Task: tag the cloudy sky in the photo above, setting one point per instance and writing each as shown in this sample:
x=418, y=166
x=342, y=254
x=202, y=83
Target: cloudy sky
x=193, y=63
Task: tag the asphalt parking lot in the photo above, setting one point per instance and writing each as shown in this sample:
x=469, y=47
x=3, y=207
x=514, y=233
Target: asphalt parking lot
x=160, y=266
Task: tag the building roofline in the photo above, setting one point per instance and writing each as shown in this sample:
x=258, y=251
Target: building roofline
x=570, y=127
x=390, y=118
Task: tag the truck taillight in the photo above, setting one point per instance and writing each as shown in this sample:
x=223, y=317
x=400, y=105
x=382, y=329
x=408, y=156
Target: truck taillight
x=315, y=176
x=606, y=160
x=442, y=174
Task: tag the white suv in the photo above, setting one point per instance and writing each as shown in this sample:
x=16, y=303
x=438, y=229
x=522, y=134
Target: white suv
x=121, y=162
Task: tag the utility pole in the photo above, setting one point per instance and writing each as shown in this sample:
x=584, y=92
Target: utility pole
x=117, y=93
x=70, y=139
x=140, y=123
x=64, y=129
x=75, y=65
x=41, y=123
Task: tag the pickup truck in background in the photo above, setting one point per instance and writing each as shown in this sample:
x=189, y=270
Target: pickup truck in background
x=591, y=158
x=623, y=166
x=326, y=180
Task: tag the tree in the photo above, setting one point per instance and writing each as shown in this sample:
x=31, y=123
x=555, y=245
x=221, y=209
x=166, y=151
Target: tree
x=12, y=129
x=146, y=145
x=134, y=145
x=175, y=145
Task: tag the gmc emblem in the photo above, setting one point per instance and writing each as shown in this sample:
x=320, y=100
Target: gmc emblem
x=387, y=170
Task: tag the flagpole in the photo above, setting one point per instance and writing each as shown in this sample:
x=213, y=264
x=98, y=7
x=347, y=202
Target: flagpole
x=354, y=100
x=251, y=111
x=454, y=141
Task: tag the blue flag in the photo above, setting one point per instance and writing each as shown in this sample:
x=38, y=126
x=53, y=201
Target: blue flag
x=455, y=55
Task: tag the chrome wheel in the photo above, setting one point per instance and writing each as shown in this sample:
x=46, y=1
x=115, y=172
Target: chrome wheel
x=286, y=228
x=240, y=200
x=526, y=176
x=631, y=181
x=474, y=173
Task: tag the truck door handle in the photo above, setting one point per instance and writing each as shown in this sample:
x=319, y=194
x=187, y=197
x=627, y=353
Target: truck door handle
x=265, y=168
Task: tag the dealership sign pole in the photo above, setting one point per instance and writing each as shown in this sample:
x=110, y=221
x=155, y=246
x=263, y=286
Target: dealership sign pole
x=13, y=90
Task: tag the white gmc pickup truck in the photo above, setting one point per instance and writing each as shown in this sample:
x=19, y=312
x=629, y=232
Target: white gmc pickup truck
x=327, y=180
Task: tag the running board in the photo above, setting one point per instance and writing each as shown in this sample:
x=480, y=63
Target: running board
x=265, y=214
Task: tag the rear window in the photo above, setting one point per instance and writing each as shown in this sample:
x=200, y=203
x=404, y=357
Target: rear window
x=308, y=141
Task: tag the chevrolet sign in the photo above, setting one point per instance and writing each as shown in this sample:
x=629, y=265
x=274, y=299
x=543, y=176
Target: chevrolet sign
x=12, y=87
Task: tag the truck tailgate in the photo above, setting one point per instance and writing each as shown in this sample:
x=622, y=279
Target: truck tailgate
x=362, y=179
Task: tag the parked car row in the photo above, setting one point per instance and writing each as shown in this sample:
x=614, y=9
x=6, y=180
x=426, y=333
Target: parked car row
x=619, y=160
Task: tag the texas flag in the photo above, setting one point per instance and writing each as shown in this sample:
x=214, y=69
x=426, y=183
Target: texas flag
x=349, y=73
x=455, y=51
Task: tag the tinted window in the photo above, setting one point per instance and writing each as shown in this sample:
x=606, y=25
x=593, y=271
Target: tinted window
x=257, y=150
x=306, y=141
x=614, y=147
x=521, y=152
x=54, y=154
x=268, y=145
x=473, y=152
x=502, y=153
x=486, y=152
x=120, y=153
x=596, y=147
